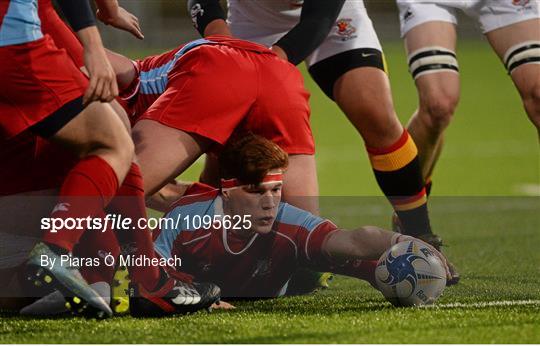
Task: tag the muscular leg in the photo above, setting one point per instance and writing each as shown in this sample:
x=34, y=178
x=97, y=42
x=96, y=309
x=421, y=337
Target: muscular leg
x=164, y=152
x=98, y=131
x=438, y=93
x=527, y=76
x=300, y=185
x=365, y=97
x=98, y=136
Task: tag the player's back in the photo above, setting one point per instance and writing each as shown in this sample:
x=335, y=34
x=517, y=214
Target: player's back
x=19, y=22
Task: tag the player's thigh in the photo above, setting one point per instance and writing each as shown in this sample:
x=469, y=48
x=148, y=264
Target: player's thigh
x=349, y=67
x=432, y=60
x=431, y=33
x=518, y=47
x=97, y=127
x=300, y=183
x=364, y=96
x=164, y=152
x=210, y=173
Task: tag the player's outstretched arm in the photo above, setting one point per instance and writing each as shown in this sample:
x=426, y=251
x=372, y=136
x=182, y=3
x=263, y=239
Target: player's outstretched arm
x=366, y=243
x=102, y=86
x=110, y=13
x=316, y=20
x=208, y=17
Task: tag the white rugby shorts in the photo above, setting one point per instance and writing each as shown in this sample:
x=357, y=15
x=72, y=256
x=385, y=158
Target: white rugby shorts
x=490, y=14
x=264, y=22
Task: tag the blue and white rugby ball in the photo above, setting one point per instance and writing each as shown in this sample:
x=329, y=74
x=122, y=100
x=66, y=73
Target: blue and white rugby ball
x=410, y=274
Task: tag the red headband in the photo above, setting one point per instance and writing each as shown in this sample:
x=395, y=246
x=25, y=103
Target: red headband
x=228, y=184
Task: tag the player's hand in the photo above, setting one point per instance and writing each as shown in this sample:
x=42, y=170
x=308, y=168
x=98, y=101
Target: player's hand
x=223, y=306
x=437, y=253
x=122, y=20
x=102, y=86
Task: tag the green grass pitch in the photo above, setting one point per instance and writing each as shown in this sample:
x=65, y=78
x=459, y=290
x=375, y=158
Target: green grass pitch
x=480, y=206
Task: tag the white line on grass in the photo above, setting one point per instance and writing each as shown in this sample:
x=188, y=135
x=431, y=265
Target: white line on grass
x=488, y=304
x=528, y=189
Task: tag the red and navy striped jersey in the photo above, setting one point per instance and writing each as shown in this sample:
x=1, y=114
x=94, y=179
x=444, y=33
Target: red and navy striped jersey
x=259, y=266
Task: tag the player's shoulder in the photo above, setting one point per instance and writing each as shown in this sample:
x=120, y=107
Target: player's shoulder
x=292, y=218
x=177, y=223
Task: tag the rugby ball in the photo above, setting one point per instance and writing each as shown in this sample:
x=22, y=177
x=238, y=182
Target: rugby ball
x=410, y=274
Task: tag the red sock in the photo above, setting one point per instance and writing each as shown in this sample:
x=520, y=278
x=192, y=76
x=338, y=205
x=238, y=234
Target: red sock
x=130, y=203
x=87, y=189
x=98, y=245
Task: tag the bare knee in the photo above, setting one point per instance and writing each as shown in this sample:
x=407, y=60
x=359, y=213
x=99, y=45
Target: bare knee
x=438, y=110
x=122, y=114
x=123, y=146
x=113, y=143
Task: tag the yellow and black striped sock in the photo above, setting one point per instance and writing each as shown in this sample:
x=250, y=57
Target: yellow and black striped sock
x=398, y=174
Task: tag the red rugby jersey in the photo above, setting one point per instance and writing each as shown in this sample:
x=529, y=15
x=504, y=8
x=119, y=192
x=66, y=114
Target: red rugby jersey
x=259, y=266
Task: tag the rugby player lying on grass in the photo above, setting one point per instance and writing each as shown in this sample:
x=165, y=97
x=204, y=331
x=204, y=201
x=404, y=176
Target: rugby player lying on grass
x=257, y=258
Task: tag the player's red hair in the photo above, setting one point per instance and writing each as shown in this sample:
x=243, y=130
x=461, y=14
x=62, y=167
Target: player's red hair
x=249, y=157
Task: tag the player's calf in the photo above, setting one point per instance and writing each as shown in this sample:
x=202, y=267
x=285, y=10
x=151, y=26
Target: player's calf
x=523, y=64
x=531, y=95
x=532, y=106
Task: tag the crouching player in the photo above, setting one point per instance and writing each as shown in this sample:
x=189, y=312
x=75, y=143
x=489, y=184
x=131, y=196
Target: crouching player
x=190, y=100
x=256, y=253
